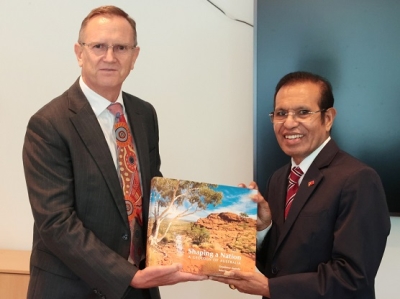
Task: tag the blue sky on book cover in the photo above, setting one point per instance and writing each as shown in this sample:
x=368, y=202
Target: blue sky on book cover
x=234, y=199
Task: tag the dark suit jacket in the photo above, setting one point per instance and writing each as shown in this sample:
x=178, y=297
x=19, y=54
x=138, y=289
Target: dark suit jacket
x=81, y=233
x=332, y=242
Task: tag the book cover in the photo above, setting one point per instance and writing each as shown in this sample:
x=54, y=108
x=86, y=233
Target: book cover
x=208, y=228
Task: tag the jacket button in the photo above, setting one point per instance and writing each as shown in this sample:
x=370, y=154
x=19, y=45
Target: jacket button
x=125, y=237
x=274, y=270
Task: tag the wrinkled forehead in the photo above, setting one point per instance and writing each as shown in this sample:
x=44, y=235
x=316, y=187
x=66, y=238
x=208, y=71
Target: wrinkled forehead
x=298, y=95
x=108, y=26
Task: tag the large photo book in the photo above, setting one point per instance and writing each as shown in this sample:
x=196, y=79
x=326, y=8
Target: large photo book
x=208, y=228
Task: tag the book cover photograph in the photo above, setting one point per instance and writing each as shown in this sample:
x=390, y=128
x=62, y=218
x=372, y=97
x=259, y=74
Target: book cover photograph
x=208, y=228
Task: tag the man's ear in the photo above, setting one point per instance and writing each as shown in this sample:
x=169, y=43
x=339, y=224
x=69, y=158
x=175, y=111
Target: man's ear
x=135, y=56
x=330, y=115
x=78, y=53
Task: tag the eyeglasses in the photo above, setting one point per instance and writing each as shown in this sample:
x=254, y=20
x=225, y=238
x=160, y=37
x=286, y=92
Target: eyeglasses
x=301, y=115
x=100, y=49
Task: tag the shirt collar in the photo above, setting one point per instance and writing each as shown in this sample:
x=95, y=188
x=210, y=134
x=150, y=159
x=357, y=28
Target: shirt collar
x=96, y=101
x=306, y=163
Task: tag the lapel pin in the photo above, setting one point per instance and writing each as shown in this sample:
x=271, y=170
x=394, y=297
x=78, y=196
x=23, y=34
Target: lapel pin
x=310, y=183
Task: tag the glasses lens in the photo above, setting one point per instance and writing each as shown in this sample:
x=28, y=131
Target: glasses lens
x=98, y=49
x=279, y=116
x=101, y=48
x=301, y=115
x=120, y=49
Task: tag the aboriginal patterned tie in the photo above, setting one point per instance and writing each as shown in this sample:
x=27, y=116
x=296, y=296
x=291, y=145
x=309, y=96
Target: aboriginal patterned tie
x=293, y=186
x=130, y=182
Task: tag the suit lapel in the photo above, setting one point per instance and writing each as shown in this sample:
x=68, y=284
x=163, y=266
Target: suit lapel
x=309, y=183
x=89, y=130
x=280, y=219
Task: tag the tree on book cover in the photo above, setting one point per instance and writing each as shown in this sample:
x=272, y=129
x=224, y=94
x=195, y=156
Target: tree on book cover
x=209, y=228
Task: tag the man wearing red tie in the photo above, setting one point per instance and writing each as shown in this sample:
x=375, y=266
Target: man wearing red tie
x=324, y=222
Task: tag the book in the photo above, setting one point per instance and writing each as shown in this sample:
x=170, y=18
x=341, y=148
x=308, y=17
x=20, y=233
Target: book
x=208, y=228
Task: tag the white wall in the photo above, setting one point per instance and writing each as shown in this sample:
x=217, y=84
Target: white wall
x=387, y=280
x=195, y=67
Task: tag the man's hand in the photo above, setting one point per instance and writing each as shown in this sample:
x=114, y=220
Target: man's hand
x=263, y=211
x=154, y=276
x=253, y=283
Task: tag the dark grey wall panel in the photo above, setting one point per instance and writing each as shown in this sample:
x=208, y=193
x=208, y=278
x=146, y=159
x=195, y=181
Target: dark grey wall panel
x=356, y=45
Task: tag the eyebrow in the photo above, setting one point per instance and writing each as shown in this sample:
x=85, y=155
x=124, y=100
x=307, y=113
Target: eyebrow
x=296, y=108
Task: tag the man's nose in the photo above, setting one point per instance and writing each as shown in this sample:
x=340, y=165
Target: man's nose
x=109, y=55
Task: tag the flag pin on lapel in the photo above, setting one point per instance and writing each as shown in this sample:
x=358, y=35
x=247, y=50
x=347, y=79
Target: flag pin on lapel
x=310, y=183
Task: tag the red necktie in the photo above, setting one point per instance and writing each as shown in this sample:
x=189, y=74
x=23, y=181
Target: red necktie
x=130, y=182
x=293, y=186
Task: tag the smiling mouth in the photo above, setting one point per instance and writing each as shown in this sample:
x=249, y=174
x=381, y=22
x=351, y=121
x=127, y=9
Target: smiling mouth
x=290, y=137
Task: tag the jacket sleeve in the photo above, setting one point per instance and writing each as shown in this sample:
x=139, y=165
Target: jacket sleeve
x=60, y=234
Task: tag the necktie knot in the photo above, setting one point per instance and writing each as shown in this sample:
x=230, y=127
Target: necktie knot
x=116, y=109
x=295, y=175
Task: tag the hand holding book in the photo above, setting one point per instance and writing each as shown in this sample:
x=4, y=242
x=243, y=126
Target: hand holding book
x=254, y=283
x=154, y=276
x=264, y=217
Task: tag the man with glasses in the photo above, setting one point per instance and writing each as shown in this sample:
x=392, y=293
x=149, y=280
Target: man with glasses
x=324, y=222
x=82, y=237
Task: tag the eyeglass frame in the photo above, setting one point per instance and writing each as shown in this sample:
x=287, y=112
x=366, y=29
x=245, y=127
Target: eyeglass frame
x=295, y=114
x=89, y=46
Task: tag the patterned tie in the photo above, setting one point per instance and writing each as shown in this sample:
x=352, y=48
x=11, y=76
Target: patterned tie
x=293, y=186
x=129, y=177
